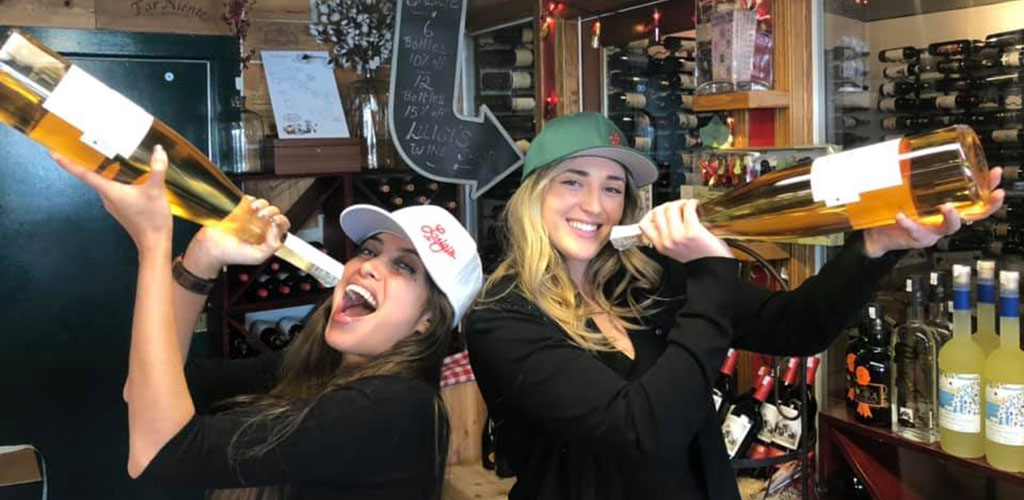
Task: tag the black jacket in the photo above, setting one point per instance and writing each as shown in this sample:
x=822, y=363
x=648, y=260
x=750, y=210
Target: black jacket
x=577, y=425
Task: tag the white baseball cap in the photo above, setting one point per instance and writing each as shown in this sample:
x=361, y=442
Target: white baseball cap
x=446, y=249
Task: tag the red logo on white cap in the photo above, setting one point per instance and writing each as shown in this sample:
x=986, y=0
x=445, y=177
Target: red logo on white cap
x=615, y=139
x=437, y=243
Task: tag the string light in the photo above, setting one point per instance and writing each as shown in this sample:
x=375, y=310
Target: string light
x=656, y=25
x=595, y=35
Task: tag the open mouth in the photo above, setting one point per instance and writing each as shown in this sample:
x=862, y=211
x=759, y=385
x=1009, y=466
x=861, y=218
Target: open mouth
x=357, y=302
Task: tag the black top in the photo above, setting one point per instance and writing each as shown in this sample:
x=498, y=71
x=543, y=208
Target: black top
x=575, y=425
x=374, y=438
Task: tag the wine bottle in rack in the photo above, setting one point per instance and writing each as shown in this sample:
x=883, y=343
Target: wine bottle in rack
x=873, y=371
x=789, y=430
x=1007, y=136
x=384, y=187
x=1005, y=38
x=967, y=239
x=66, y=110
x=290, y=326
x=906, y=122
x=282, y=289
x=898, y=104
x=900, y=88
x=743, y=422
x=1010, y=212
x=959, y=84
x=239, y=348
x=965, y=65
x=397, y=202
x=900, y=54
x=519, y=58
x=628, y=62
x=261, y=289
x=952, y=101
x=507, y=103
x=845, y=53
x=724, y=391
x=624, y=102
x=850, y=121
x=949, y=120
x=504, y=81
x=298, y=283
x=955, y=48
x=1012, y=59
x=628, y=82
x=269, y=334
x=508, y=36
x=898, y=71
x=769, y=409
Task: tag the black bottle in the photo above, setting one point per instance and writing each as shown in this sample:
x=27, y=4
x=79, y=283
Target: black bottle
x=873, y=372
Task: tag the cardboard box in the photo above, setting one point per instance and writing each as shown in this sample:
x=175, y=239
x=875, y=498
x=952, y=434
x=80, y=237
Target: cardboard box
x=315, y=156
x=18, y=465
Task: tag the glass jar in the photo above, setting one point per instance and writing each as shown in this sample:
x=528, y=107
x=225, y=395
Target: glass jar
x=734, y=45
x=244, y=131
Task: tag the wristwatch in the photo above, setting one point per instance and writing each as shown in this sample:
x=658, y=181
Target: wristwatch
x=188, y=280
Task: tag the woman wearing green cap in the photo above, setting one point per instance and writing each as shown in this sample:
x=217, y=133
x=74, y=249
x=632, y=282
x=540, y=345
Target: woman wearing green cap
x=596, y=365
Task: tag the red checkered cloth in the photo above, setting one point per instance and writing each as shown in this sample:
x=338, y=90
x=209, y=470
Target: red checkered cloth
x=456, y=370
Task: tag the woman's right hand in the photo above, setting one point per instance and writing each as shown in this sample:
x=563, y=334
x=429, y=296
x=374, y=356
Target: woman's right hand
x=676, y=232
x=211, y=249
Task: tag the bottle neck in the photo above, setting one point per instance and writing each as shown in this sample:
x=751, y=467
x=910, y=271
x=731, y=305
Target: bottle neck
x=1009, y=321
x=812, y=370
x=767, y=384
x=729, y=366
x=915, y=311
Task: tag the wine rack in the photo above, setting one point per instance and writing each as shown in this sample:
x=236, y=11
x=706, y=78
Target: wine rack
x=650, y=88
x=850, y=95
x=504, y=78
x=972, y=82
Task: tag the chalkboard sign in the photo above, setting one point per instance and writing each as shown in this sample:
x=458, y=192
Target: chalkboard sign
x=431, y=136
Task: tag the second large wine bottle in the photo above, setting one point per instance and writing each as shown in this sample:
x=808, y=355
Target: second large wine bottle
x=858, y=189
x=63, y=108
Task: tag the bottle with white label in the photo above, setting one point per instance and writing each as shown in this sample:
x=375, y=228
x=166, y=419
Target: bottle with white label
x=899, y=54
x=63, y=108
x=915, y=379
x=961, y=369
x=1008, y=136
x=1004, y=389
x=743, y=422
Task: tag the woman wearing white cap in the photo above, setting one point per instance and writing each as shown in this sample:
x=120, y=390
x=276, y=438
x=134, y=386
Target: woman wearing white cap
x=597, y=365
x=351, y=409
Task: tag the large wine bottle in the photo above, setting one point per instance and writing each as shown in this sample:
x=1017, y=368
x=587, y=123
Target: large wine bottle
x=961, y=368
x=66, y=110
x=856, y=189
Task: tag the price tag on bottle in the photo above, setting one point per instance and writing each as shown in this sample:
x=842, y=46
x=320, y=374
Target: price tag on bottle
x=110, y=123
x=840, y=178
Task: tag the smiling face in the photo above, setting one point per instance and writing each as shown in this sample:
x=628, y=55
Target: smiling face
x=584, y=199
x=380, y=299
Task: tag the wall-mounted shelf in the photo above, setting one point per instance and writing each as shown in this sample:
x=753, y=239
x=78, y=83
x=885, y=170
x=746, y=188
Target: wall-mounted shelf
x=754, y=99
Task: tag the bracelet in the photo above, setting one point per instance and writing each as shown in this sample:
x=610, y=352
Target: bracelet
x=188, y=280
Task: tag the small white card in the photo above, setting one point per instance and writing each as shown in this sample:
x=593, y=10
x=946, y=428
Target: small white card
x=304, y=95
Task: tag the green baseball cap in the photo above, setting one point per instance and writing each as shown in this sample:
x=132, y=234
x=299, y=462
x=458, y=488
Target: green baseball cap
x=587, y=134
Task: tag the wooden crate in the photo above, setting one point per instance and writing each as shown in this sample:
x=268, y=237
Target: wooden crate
x=315, y=156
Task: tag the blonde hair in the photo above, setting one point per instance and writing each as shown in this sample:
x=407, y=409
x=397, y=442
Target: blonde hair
x=541, y=274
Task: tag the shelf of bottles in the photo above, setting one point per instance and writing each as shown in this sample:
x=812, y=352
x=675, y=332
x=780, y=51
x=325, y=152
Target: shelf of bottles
x=650, y=87
x=938, y=362
x=504, y=80
x=262, y=336
x=972, y=82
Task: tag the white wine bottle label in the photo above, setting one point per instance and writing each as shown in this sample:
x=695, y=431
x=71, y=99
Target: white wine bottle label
x=635, y=100
x=642, y=144
x=1012, y=59
x=717, y=398
x=890, y=123
x=687, y=120
x=892, y=55
x=521, y=80
x=1005, y=136
x=898, y=71
x=1013, y=101
x=110, y=123
x=734, y=430
x=788, y=428
x=310, y=259
x=887, y=105
x=687, y=81
x=960, y=401
x=769, y=419
x=1004, y=413
x=523, y=103
x=889, y=88
x=686, y=102
x=840, y=178
x=524, y=57
x=946, y=102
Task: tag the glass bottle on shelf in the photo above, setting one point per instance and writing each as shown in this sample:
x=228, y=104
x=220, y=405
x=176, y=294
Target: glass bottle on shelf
x=915, y=381
x=873, y=371
x=1004, y=388
x=244, y=131
x=961, y=366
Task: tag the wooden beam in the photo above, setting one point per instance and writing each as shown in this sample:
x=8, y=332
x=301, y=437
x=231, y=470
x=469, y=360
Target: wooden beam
x=754, y=99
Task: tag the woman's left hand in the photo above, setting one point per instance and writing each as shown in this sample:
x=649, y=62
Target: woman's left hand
x=906, y=233
x=142, y=209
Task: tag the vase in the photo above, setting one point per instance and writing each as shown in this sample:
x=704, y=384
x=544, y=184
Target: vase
x=367, y=116
x=244, y=130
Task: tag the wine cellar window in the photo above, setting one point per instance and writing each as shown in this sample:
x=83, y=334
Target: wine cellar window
x=503, y=78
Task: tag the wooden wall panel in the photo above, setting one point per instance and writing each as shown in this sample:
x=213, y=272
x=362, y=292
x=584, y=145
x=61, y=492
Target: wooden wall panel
x=290, y=10
x=199, y=17
x=280, y=35
x=48, y=13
